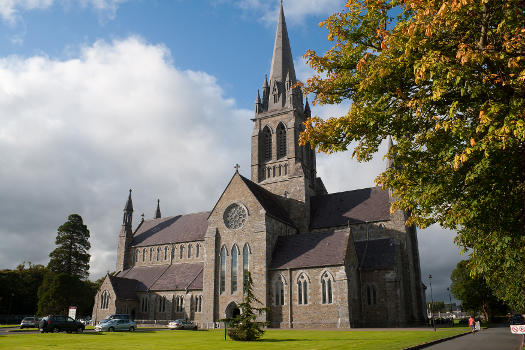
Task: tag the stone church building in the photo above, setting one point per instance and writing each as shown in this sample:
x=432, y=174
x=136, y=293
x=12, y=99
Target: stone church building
x=317, y=259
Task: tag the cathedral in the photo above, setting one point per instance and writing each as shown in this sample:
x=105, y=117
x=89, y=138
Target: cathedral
x=317, y=259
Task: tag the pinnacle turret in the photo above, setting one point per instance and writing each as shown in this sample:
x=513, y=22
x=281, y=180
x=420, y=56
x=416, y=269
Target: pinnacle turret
x=157, y=212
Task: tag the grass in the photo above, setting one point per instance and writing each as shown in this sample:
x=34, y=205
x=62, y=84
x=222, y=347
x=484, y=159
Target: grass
x=9, y=325
x=214, y=339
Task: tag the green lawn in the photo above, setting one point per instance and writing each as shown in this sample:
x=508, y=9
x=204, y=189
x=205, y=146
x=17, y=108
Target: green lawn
x=214, y=339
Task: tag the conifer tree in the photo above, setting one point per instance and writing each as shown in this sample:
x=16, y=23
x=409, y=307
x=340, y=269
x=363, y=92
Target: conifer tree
x=244, y=326
x=71, y=254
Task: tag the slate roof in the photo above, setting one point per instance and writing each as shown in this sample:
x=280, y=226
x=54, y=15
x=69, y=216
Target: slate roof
x=310, y=249
x=376, y=254
x=180, y=276
x=165, y=277
x=268, y=200
x=358, y=206
x=173, y=229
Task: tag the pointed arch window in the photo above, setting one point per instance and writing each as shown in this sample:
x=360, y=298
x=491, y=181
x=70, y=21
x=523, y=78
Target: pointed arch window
x=326, y=288
x=150, y=253
x=278, y=291
x=198, y=303
x=302, y=289
x=136, y=256
x=266, y=144
x=222, y=281
x=197, y=250
x=371, y=295
x=281, y=141
x=181, y=255
x=104, y=300
x=234, y=267
x=190, y=248
x=144, y=304
x=143, y=254
x=166, y=253
x=158, y=253
x=245, y=264
x=179, y=303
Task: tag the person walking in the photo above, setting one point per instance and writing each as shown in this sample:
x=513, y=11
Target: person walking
x=472, y=324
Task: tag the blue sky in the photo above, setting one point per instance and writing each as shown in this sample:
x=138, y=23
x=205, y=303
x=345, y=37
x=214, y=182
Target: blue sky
x=99, y=96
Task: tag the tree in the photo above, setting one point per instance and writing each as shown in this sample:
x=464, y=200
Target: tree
x=474, y=293
x=71, y=255
x=244, y=326
x=19, y=289
x=59, y=291
x=446, y=80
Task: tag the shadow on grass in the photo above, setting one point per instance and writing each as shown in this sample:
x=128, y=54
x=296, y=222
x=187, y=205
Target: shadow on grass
x=278, y=340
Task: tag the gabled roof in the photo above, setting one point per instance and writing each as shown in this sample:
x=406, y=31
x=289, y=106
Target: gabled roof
x=358, y=206
x=124, y=288
x=173, y=229
x=156, y=278
x=268, y=200
x=179, y=277
x=376, y=254
x=310, y=249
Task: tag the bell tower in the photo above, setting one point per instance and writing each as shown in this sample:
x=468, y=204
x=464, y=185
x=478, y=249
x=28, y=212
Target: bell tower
x=279, y=163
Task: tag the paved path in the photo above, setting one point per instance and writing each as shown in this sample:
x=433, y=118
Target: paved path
x=497, y=338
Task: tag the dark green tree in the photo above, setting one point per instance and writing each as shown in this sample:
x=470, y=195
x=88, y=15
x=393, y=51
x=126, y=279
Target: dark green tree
x=244, y=326
x=71, y=254
x=59, y=291
x=474, y=293
x=19, y=289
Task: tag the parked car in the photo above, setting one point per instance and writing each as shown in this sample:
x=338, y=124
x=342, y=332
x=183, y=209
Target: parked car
x=29, y=322
x=58, y=323
x=517, y=319
x=182, y=324
x=116, y=317
x=116, y=325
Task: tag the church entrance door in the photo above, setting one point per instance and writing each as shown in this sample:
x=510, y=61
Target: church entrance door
x=232, y=310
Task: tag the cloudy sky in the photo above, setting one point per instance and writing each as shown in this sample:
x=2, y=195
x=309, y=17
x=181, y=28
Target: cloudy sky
x=99, y=96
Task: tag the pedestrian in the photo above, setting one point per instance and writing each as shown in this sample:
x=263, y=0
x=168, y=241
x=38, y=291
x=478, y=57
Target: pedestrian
x=472, y=324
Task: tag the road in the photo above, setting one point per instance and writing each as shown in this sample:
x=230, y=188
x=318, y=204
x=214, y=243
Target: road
x=496, y=338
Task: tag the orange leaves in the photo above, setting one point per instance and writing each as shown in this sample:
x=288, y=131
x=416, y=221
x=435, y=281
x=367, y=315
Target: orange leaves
x=362, y=61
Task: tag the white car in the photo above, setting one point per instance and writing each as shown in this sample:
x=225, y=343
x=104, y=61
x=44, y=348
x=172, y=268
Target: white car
x=116, y=325
x=182, y=324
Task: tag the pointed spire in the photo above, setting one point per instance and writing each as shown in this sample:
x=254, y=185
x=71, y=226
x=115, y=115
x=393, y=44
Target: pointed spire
x=129, y=203
x=282, y=60
x=128, y=212
x=157, y=212
x=307, y=112
x=265, y=84
x=258, y=99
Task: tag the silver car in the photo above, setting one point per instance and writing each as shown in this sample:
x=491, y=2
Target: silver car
x=116, y=325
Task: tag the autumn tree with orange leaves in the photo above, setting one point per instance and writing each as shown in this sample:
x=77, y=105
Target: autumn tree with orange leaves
x=446, y=80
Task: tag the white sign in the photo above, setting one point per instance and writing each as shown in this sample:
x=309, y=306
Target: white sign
x=517, y=329
x=72, y=312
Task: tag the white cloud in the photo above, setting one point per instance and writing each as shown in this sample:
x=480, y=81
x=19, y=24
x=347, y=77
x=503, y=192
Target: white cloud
x=10, y=9
x=76, y=134
x=295, y=10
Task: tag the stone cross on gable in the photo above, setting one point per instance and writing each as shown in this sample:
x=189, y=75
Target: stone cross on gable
x=237, y=166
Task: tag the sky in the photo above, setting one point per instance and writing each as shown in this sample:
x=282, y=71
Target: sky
x=100, y=96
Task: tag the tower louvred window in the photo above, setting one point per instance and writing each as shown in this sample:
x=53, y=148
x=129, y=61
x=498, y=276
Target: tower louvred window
x=281, y=141
x=267, y=144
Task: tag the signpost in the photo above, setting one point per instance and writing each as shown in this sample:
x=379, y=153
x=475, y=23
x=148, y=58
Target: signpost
x=73, y=312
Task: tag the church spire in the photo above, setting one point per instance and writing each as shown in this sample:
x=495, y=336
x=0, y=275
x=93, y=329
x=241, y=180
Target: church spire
x=128, y=211
x=282, y=60
x=157, y=212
